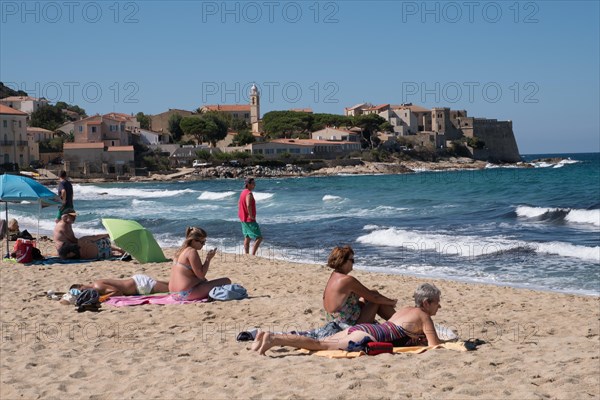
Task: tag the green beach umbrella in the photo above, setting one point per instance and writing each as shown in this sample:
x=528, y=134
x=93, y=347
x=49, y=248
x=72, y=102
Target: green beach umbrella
x=134, y=239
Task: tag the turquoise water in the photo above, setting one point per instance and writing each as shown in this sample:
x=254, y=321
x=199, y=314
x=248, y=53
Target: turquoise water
x=524, y=227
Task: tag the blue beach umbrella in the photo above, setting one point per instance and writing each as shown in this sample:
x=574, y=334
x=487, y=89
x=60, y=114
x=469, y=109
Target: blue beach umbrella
x=17, y=188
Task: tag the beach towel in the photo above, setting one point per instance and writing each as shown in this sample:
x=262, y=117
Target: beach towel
x=162, y=299
x=57, y=260
x=457, y=346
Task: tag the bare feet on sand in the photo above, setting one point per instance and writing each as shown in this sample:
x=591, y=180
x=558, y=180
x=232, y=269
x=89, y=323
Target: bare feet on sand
x=262, y=342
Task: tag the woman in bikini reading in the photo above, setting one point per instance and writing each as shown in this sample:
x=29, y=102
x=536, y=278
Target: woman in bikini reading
x=188, y=274
x=342, y=297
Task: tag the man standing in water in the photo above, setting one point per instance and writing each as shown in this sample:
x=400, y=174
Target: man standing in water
x=65, y=192
x=247, y=214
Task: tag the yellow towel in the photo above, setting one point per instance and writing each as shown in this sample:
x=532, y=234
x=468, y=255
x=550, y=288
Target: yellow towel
x=458, y=346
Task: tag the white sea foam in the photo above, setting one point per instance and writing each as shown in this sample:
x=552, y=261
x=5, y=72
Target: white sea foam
x=577, y=216
x=84, y=192
x=215, y=195
x=570, y=250
x=584, y=216
x=469, y=246
x=371, y=227
x=143, y=203
x=329, y=197
x=263, y=196
x=533, y=212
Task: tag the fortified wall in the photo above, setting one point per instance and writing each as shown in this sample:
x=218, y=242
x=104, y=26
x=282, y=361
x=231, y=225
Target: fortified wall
x=498, y=137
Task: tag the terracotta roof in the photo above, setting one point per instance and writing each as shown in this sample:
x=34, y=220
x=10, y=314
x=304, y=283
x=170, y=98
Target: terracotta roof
x=75, y=146
x=356, y=106
x=329, y=128
x=93, y=117
x=378, y=107
x=120, y=148
x=10, y=111
x=34, y=129
x=119, y=117
x=94, y=123
x=21, y=98
x=411, y=108
x=306, y=110
x=227, y=107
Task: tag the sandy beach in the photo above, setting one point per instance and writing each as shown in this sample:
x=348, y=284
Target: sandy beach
x=539, y=344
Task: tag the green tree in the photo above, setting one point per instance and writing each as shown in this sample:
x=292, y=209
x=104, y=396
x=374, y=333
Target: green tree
x=144, y=120
x=198, y=128
x=321, y=121
x=369, y=125
x=203, y=155
x=61, y=105
x=48, y=117
x=278, y=124
x=175, y=127
x=217, y=126
x=475, y=142
x=386, y=127
x=54, y=145
x=243, y=138
x=238, y=125
x=5, y=91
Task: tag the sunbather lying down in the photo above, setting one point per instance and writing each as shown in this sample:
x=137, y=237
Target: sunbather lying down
x=409, y=323
x=137, y=284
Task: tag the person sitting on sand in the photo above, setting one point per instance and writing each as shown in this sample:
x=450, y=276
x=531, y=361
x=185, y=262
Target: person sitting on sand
x=407, y=324
x=188, y=274
x=137, y=284
x=346, y=300
x=13, y=229
x=86, y=247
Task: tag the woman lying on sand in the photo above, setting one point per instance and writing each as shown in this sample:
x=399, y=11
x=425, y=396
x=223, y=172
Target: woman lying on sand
x=188, y=274
x=137, y=284
x=406, y=324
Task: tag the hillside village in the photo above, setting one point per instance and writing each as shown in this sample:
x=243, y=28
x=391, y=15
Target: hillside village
x=121, y=145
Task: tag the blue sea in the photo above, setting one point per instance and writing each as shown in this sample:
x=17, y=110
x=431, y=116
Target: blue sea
x=535, y=227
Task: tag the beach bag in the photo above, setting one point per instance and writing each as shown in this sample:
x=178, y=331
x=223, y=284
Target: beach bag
x=374, y=348
x=88, y=300
x=23, y=250
x=228, y=292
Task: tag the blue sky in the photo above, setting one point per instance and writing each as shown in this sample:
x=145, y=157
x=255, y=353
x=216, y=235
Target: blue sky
x=536, y=63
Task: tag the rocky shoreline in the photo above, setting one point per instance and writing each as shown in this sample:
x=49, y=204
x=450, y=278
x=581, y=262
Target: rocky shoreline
x=344, y=167
x=290, y=170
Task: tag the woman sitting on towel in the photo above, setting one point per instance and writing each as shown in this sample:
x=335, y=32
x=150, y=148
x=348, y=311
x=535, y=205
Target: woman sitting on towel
x=346, y=300
x=406, y=325
x=188, y=274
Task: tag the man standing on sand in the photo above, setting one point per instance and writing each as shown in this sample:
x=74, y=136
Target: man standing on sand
x=247, y=214
x=65, y=192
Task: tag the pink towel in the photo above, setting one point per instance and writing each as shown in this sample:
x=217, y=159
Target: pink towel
x=122, y=301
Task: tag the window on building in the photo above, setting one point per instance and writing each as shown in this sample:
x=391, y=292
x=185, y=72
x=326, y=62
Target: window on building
x=80, y=128
x=247, y=115
x=20, y=124
x=93, y=129
x=4, y=123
